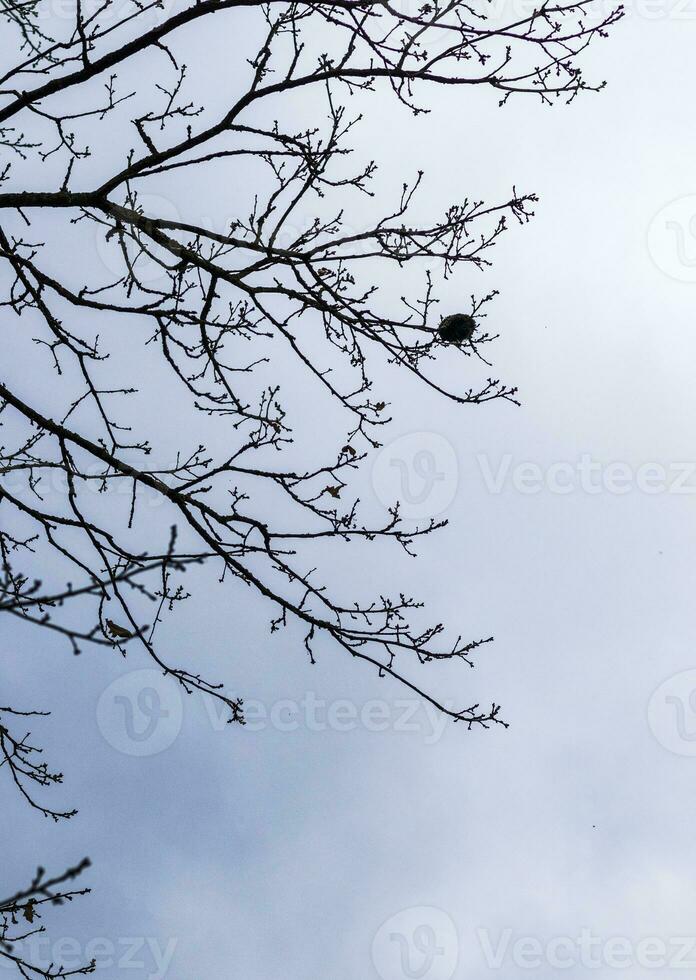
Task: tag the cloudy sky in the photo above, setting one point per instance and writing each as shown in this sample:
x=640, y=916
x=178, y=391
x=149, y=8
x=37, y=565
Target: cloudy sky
x=346, y=833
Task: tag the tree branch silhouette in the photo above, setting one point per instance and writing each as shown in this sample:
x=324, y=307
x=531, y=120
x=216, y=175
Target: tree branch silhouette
x=103, y=518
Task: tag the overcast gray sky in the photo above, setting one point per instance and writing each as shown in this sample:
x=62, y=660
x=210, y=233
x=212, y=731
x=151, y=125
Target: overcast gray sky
x=344, y=837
